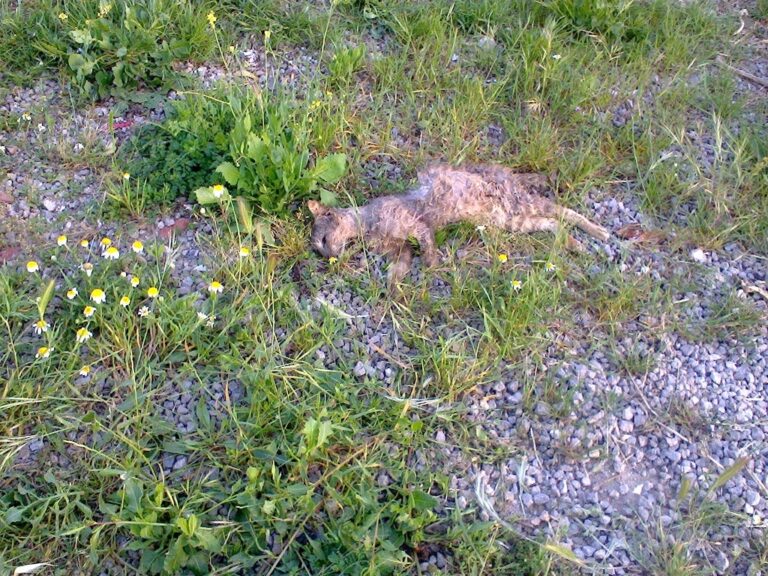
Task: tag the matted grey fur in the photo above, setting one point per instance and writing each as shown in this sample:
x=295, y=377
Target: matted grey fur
x=487, y=195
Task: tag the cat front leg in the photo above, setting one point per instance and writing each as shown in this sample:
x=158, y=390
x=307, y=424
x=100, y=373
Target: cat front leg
x=426, y=239
x=400, y=257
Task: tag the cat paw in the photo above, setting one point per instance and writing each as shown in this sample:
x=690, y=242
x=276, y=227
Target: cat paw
x=432, y=259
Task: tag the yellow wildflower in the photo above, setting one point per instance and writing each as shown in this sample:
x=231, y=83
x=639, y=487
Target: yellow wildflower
x=83, y=334
x=85, y=370
x=87, y=268
x=244, y=251
x=125, y=301
x=516, y=285
x=98, y=296
x=332, y=260
x=126, y=176
x=549, y=267
x=71, y=293
x=88, y=311
x=43, y=352
x=138, y=246
x=502, y=258
x=134, y=281
x=218, y=190
x=111, y=253
x=41, y=326
x=153, y=292
x=32, y=267
x=106, y=242
x=215, y=287
x=212, y=19
x=63, y=17
x=84, y=243
x=61, y=240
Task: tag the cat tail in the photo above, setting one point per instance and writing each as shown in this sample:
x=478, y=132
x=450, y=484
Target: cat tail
x=594, y=230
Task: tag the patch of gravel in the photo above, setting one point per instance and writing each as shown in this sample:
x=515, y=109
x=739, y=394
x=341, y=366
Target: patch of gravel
x=599, y=469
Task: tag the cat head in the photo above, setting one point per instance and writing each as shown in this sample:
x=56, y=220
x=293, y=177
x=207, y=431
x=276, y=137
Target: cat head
x=332, y=229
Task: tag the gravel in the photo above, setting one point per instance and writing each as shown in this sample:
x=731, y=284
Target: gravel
x=597, y=474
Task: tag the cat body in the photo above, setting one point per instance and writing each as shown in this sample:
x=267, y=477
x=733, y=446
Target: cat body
x=483, y=195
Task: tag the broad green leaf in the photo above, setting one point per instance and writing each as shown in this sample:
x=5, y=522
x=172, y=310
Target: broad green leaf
x=208, y=540
x=13, y=515
x=230, y=172
x=328, y=198
x=423, y=501
x=268, y=507
x=331, y=168
x=76, y=61
x=206, y=196
x=133, y=491
x=81, y=36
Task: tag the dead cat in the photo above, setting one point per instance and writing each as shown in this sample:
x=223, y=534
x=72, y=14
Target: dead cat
x=483, y=195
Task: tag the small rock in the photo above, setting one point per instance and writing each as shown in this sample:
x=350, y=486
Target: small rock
x=49, y=204
x=698, y=255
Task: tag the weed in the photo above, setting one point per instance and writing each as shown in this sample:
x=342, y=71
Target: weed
x=109, y=49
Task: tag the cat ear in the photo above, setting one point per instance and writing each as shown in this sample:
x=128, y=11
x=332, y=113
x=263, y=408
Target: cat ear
x=316, y=208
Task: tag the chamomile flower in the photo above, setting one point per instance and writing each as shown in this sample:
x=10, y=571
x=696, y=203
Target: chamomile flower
x=61, y=240
x=43, y=352
x=210, y=321
x=202, y=316
x=135, y=281
x=98, y=296
x=125, y=301
x=211, y=19
x=83, y=335
x=32, y=267
x=87, y=268
x=26, y=116
x=556, y=56
x=106, y=242
x=144, y=311
x=480, y=228
x=84, y=243
x=502, y=258
x=137, y=247
x=41, y=127
x=215, y=287
x=111, y=253
x=88, y=311
x=218, y=190
x=126, y=176
x=63, y=16
x=550, y=267
x=71, y=293
x=153, y=292
x=41, y=326
x=244, y=251
x=516, y=285
x=85, y=370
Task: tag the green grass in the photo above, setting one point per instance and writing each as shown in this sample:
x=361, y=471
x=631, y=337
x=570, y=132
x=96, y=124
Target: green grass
x=286, y=477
